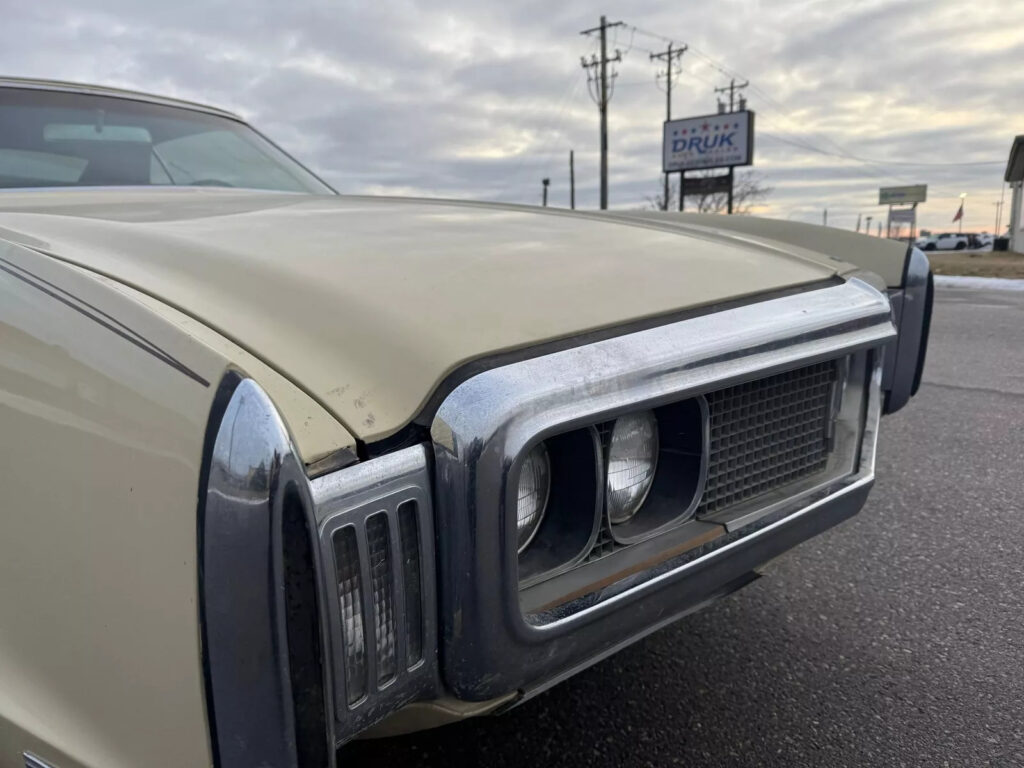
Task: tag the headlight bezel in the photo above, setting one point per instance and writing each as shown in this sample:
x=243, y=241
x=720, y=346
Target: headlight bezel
x=569, y=531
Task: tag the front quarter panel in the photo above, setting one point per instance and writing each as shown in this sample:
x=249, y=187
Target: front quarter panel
x=102, y=436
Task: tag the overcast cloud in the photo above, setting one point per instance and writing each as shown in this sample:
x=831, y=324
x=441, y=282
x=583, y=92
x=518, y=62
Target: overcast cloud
x=483, y=99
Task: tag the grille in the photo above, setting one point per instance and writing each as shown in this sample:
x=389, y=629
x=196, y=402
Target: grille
x=766, y=434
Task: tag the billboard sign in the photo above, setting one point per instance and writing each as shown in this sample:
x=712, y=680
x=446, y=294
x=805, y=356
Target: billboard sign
x=916, y=193
x=903, y=216
x=711, y=141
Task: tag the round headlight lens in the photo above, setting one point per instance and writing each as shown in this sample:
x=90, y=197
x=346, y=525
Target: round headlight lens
x=632, y=459
x=534, y=487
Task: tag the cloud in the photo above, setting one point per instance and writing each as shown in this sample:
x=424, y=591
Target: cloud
x=483, y=99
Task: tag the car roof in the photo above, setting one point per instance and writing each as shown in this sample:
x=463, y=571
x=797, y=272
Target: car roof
x=117, y=93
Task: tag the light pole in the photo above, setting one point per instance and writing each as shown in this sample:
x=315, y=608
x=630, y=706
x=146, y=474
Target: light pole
x=963, y=200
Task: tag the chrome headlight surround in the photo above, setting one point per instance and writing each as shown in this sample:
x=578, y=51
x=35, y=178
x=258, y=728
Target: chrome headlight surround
x=484, y=426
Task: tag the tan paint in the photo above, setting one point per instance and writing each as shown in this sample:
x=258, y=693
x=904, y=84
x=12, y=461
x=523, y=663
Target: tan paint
x=315, y=433
x=879, y=255
x=99, y=465
x=366, y=304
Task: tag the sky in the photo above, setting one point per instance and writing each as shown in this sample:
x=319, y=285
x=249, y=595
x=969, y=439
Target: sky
x=480, y=99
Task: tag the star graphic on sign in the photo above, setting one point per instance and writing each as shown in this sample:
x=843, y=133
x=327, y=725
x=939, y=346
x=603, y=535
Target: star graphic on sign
x=684, y=131
x=705, y=126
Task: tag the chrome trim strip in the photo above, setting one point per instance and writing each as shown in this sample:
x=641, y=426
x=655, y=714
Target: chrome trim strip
x=333, y=493
x=567, y=387
x=245, y=637
x=31, y=761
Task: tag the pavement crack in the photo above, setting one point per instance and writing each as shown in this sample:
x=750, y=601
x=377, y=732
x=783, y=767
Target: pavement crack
x=964, y=388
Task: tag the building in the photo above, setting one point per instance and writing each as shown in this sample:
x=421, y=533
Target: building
x=1015, y=177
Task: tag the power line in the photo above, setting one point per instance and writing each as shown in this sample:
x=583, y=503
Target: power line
x=779, y=107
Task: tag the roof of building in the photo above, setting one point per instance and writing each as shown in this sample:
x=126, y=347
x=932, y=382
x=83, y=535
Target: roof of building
x=1015, y=165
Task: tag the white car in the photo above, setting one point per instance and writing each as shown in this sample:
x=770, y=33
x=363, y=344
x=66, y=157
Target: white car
x=946, y=241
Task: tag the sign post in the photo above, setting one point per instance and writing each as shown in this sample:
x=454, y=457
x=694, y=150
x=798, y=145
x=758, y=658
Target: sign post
x=707, y=142
x=909, y=196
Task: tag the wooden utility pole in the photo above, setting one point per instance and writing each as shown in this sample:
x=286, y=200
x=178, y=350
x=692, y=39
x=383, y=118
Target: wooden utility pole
x=732, y=87
x=668, y=55
x=601, y=93
x=572, y=181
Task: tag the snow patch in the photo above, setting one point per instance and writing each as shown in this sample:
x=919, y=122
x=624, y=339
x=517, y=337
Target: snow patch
x=989, y=283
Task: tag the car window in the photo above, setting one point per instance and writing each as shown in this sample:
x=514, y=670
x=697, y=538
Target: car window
x=44, y=166
x=56, y=138
x=215, y=158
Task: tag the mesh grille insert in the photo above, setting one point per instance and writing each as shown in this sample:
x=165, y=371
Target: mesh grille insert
x=767, y=433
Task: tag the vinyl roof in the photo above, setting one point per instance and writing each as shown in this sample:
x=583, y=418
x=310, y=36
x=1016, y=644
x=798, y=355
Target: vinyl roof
x=119, y=93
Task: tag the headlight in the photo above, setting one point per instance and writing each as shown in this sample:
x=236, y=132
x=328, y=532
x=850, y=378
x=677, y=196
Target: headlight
x=534, y=488
x=632, y=459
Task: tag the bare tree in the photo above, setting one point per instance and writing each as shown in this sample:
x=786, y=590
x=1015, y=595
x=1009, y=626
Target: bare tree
x=749, y=190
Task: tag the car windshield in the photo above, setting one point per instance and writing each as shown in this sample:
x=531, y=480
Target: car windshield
x=62, y=139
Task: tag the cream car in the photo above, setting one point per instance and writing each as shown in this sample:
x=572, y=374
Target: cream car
x=283, y=467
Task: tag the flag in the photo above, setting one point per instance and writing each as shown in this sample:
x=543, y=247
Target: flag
x=959, y=212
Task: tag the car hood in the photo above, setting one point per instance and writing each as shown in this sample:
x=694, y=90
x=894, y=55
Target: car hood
x=367, y=304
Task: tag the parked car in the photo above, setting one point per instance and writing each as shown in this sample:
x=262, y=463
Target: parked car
x=282, y=467
x=946, y=241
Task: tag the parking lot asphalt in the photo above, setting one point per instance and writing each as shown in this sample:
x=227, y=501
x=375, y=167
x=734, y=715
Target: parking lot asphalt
x=895, y=639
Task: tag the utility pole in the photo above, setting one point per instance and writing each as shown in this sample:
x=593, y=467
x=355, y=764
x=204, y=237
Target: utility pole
x=732, y=87
x=601, y=93
x=824, y=218
x=572, y=181
x=545, y=183
x=858, y=223
x=669, y=56
x=999, y=211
